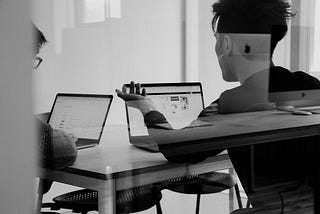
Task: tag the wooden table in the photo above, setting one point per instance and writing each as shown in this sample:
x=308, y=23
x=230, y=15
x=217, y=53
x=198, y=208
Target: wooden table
x=114, y=164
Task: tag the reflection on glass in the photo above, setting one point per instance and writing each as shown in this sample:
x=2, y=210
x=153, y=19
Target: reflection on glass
x=316, y=62
x=114, y=8
x=98, y=10
x=180, y=103
x=94, y=11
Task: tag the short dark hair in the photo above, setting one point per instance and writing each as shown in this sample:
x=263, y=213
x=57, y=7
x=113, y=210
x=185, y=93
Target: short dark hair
x=253, y=16
x=39, y=38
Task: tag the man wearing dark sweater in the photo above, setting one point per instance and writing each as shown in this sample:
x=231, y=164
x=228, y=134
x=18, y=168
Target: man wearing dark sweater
x=244, y=31
x=57, y=149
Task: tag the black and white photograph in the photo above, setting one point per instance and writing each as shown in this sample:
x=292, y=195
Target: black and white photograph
x=160, y=106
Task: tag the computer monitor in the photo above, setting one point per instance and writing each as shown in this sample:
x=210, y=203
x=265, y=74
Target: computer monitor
x=180, y=103
x=83, y=115
x=296, y=98
x=302, y=88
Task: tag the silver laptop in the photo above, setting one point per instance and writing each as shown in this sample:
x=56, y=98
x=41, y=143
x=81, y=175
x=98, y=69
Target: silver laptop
x=180, y=103
x=83, y=115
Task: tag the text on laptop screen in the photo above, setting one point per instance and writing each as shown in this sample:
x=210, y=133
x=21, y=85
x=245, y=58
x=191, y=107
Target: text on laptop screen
x=81, y=116
x=179, y=104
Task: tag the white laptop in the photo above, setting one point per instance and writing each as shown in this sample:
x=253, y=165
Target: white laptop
x=83, y=115
x=180, y=103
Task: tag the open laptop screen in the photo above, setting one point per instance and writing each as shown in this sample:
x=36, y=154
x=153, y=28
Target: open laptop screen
x=180, y=103
x=82, y=115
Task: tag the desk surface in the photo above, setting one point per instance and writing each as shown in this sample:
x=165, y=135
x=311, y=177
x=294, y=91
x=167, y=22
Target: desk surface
x=240, y=129
x=228, y=131
x=115, y=155
x=230, y=125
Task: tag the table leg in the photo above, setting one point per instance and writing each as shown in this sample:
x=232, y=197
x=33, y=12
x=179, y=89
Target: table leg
x=316, y=181
x=107, y=195
x=106, y=199
x=231, y=194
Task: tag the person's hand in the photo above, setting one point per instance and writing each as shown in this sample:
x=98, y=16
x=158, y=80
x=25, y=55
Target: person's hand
x=136, y=98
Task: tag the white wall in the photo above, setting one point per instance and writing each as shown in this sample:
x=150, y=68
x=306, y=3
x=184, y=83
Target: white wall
x=147, y=44
x=144, y=45
x=17, y=165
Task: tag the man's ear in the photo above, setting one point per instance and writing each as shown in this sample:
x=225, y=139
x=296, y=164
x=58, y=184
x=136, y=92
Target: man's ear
x=227, y=45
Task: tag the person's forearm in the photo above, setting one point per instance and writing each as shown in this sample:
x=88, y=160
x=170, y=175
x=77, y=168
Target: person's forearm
x=155, y=119
x=56, y=148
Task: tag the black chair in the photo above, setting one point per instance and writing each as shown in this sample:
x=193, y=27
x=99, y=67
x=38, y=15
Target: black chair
x=43, y=187
x=208, y=183
x=127, y=201
x=145, y=197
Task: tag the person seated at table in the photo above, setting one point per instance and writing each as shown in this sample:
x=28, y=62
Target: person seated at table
x=241, y=27
x=56, y=149
x=235, y=24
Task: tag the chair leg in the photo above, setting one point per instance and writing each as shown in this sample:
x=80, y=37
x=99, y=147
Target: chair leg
x=198, y=203
x=43, y=187
x=39, y=202
x=41, y=190
x=236, y=187
x=158, y=206
x=248, y=203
